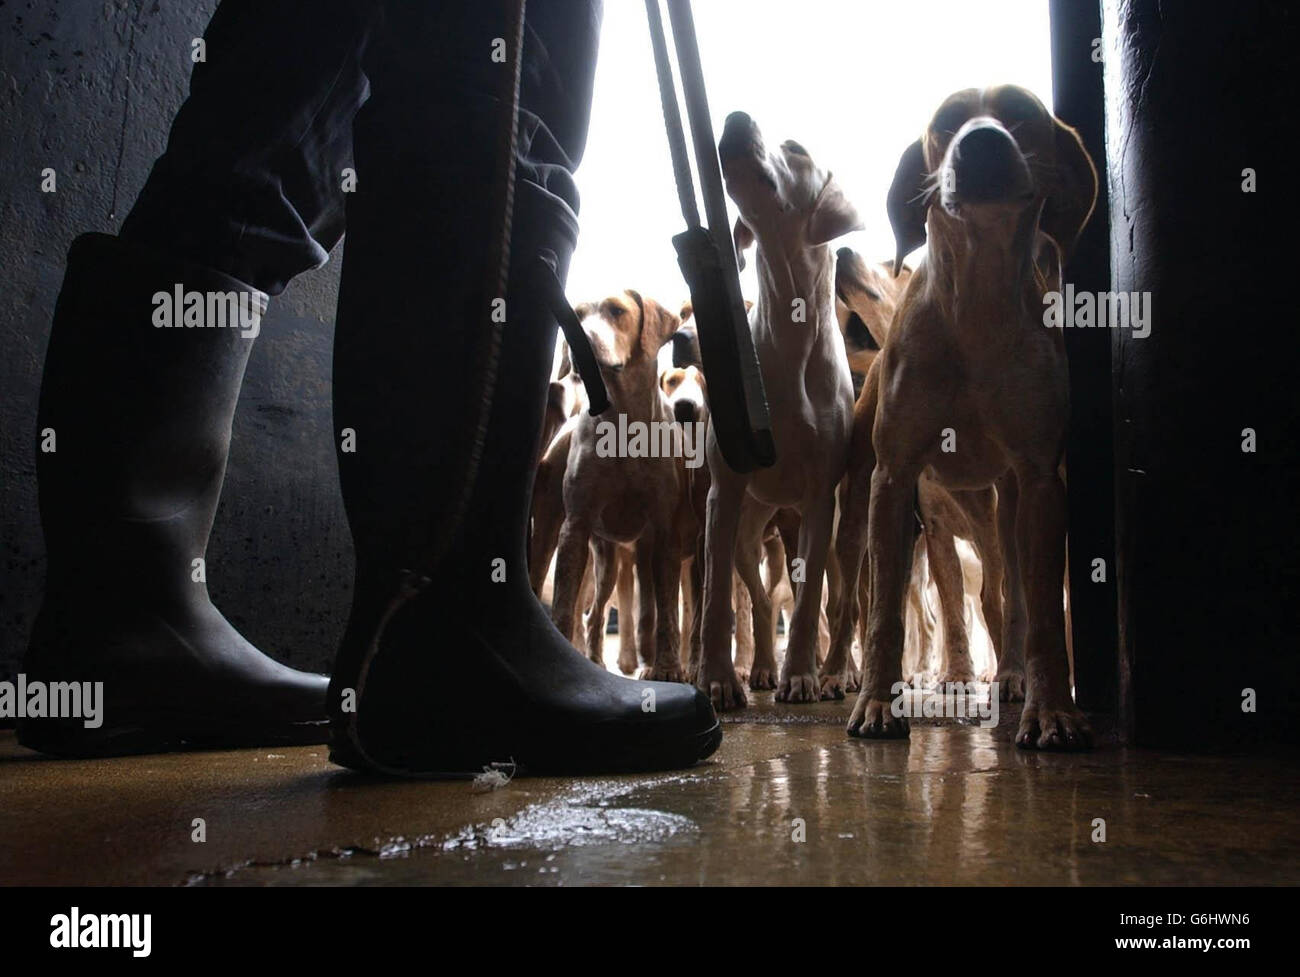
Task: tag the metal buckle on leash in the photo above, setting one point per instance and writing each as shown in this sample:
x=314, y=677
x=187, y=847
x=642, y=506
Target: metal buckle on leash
x=737, y=400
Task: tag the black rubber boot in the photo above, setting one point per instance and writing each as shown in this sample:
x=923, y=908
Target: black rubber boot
x=139, y=418
x=449, y=667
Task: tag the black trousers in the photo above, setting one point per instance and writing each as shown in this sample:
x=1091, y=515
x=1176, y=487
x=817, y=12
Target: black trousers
x=253, y=180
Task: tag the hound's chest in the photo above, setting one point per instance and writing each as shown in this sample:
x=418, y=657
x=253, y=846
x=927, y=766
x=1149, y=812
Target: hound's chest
x=642, y=502
x=811, y=450
x=995, y=422
x=811, y=412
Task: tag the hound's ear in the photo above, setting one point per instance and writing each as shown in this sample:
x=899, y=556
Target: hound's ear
x=834, y=216
x=657, y=324
x=743, y=238
x=907, y=203
x=1072, y=193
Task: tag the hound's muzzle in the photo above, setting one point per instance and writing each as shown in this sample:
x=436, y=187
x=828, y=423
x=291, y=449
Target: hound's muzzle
x=983, y=165
x=740, y=139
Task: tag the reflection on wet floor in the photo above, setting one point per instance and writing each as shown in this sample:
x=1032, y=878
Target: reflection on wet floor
x=789, y=799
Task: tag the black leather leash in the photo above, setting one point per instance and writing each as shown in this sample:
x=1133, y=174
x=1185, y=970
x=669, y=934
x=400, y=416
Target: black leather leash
x=580, y=350
x=737, y=400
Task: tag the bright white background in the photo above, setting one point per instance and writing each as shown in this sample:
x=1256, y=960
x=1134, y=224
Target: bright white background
x=854, y=81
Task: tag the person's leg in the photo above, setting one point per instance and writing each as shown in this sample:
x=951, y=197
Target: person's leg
x=251, y=182
x=446, y=667
x=136, y=419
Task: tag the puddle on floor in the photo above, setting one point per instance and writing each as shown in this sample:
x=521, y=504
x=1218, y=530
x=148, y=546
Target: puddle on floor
x=952, y=805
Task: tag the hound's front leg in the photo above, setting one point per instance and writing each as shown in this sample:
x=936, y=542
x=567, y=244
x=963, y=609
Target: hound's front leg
x=889, y=558
x=570, y=566
x=647, y=610
x=667, y=563
x=1010, y=677
x=850, y=544
x=754, y=599
x=945, y=565
x=697, y=624
x=799, y=670
x=626, y=589
x=603, y=560
x=1050, y=719
x=980, y=507
x=743, y=607
x=717, y=675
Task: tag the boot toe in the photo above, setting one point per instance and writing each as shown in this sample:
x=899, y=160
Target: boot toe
x=300, y=697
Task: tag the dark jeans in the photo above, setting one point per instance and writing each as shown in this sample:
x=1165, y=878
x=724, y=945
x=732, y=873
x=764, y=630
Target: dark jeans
x=251, y=182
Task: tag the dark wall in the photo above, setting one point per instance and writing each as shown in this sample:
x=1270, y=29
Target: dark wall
x=89, y=89
x=1198, y=91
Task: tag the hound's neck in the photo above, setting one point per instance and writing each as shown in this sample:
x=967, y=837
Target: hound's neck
x=991, y=274
x=635, y=392
x=784, y=278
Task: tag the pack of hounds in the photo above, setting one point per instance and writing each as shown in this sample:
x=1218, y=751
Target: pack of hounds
x=919, y=416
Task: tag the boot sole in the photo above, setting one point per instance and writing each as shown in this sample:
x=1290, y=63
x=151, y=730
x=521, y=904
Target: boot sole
x=568, y=759
x=160, y=736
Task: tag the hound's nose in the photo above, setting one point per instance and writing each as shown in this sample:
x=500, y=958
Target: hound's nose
x=987, y=164
x=686, y=411
x=848, y=265
x=739, y=137
x=686, y=347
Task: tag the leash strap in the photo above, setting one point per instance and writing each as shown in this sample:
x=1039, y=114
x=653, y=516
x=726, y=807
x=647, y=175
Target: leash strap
x=580, y=349
x=697, y=110
x=737, y=400
x=672, y=117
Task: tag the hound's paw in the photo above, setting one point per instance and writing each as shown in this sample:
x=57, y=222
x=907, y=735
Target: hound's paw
x=832, y=686
x=873, y=719
x=853, y=679
x=986, y=676
x=800, y=687
x=957, y=672
x=762, y=678
x=722, y=688
x=627, y=665
x=742, y=674
x=1054, y=728
x=922, y=681
x=671, y=672
x=1011, y=685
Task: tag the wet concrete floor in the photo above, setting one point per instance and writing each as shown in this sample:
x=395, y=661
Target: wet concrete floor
x=788, y=799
